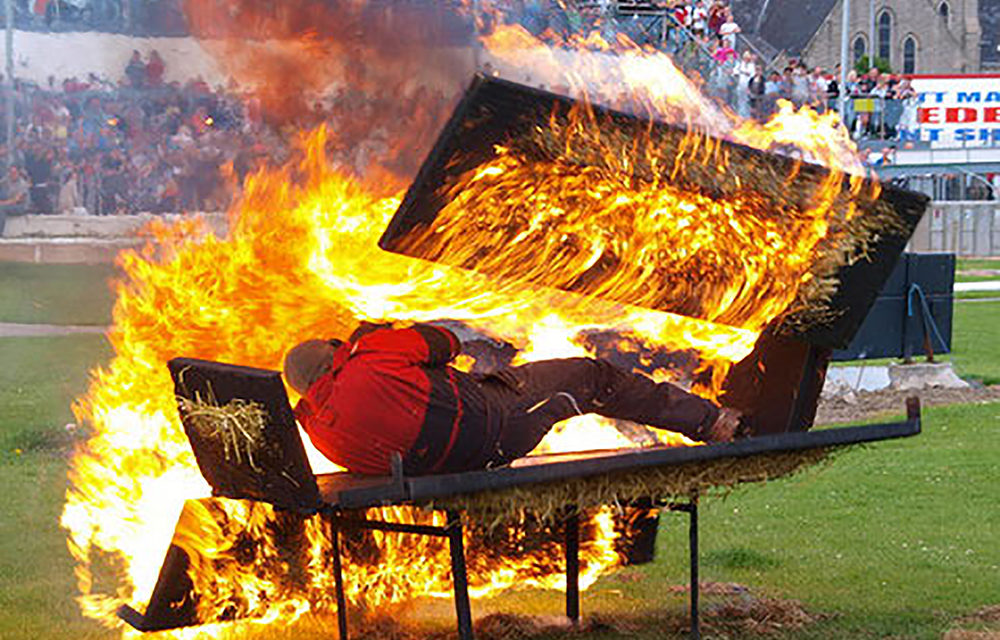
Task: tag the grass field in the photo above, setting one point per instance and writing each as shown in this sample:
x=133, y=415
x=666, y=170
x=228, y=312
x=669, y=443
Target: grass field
x=976, y=341
x=970, y=264
x=39, y=381
x=55, y=294
x=977, y=295
x=961, y=277
x=895, y=540
x=964, y=266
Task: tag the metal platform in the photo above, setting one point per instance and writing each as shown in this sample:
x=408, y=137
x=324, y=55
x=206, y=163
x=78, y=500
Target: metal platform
x=340, y=497
x=341, y=490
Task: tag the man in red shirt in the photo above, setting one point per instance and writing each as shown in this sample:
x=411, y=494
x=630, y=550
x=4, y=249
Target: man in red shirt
x=391, y=390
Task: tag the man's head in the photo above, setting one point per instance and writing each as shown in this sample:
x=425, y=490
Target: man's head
x=307, y=362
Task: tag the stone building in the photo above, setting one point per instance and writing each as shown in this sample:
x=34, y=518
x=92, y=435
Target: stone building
x=915, y=36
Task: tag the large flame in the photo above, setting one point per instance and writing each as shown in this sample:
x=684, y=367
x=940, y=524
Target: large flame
x=300, y=260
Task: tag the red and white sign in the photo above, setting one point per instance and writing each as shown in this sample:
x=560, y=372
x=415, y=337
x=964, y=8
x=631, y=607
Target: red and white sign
x=955, y=111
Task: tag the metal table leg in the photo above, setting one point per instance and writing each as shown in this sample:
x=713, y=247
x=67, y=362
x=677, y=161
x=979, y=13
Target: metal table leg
x=573, y=567
x=695, y=587
x=460, y=578
x=338, y=578
x=691, y=508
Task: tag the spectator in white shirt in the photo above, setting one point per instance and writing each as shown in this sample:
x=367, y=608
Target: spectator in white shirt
x=699, y=18
x=744, y=70
x=729, y=29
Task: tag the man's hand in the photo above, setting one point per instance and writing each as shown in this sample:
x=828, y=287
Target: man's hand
x=509, y=379
x=725, y=425
x=366, y=327
x=506, y=377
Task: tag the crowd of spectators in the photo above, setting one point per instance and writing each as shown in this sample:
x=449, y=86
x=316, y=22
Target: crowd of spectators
x=139, y=144
x=145, y=145
x=703, y=35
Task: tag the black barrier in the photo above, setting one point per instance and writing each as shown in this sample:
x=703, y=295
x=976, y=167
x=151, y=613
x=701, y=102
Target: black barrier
x=913, y=313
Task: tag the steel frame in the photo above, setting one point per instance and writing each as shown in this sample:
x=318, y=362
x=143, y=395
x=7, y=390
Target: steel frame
x=170, y=605
x=453, y=530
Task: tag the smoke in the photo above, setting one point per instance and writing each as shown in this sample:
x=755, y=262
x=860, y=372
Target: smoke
x=383, y=76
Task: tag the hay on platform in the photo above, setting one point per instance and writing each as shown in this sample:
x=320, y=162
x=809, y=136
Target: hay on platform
x=636, y=153
x=237, y=427
x=549, y=501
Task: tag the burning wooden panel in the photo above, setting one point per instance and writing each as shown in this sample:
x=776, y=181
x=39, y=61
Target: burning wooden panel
x=530, y=186
x=533, y=188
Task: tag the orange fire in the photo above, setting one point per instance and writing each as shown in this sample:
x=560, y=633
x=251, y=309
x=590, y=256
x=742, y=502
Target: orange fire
x=300, y=260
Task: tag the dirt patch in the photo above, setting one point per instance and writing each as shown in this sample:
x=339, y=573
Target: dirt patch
x=734, y=610
x=981, y=625
x=729, y=610
x=868, y=405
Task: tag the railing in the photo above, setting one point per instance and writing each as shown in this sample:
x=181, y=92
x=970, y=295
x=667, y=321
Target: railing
x=877, y=117
x=133, y=17
x=969, y=228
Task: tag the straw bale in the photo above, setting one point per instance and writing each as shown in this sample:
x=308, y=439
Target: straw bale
x=548, y=501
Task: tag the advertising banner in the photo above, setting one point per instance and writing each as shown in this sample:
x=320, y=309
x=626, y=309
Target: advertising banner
x=955, y=111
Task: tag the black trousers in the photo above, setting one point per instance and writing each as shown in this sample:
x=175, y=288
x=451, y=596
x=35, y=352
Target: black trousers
x=525, y=402
x=7, y=210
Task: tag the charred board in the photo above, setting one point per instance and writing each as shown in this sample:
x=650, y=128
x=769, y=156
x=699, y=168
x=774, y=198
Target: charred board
x=496, y=112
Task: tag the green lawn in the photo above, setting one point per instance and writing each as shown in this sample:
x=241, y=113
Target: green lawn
x=38, y=382
x=972, y=264
x=55, y=293
x=976, y=341
x=977, y=295
x=895, y=540
x=961, y=277
x=965, y=265
x=37, y=585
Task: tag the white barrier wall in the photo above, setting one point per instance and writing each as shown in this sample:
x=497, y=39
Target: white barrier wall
x=93, y=227
x=968, y=229
x=64, y=55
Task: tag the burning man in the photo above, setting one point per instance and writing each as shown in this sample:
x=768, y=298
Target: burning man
x=391, y=390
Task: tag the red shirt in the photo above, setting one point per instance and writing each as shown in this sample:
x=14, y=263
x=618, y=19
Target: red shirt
x=375, y=399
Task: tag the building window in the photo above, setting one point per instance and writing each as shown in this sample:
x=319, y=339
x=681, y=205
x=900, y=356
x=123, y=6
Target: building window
x=910, y=55
x=885, y=35
x=860, y=49
x=945, y=12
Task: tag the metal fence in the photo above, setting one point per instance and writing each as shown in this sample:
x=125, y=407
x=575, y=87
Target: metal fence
x=880, y=118
x=131, y=17
x=966, y=228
